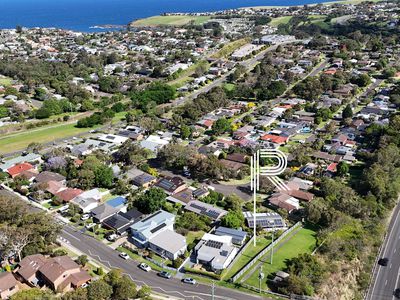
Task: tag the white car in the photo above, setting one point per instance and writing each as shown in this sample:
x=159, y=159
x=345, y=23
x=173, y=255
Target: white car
x=189, y=280
x=85, y=217
x=112, y=237
x=90, y=225
x=145, y=267
x=124, y=255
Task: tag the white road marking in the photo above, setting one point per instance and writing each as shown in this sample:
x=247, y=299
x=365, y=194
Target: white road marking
x=394, y=250
x=390, y=266
x=386, y=283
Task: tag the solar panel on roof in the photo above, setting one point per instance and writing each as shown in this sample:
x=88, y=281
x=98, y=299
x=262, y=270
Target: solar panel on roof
x=158, y=228
x=110, y=137
x=214, y=244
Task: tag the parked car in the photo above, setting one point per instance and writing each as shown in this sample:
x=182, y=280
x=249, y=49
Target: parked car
x=397, y=293
x=85, y=285
x=112, y=237
x=189, y=280
x=165, y=274
x=90, y=225
x=145, y=267
x=124, y=255
x=383, y=261
x=85, y=217
x=63, y=208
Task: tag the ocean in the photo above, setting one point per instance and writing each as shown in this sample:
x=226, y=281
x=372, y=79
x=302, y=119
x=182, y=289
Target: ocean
x=82, y=15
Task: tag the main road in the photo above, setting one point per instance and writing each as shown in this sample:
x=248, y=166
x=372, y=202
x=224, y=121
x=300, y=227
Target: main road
x=386, y=279
x=109, y=257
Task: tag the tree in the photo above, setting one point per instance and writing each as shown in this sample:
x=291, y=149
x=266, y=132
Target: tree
x=33, y=294
x=221, y=126
x=342, y=169
x=347, y=112
x=99, y=290
x=186, y=132
x=233, y=219
x=82, y=260
x=124, y=289
x=78, y=294
x=104, y=176
x=144, y=291
x=151, y=201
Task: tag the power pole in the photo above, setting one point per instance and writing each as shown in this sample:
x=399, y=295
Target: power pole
x=272, y=244
x=213, y=290
x=260, y=278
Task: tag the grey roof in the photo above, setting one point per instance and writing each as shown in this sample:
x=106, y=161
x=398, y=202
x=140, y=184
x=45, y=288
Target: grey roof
x=104, y=211
x=169, y=241
x=234, y=233
x=205, y=209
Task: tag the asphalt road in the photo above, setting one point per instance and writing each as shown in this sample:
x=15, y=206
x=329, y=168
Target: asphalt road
x=386, y=279
x=249, y=64
x=172, y=287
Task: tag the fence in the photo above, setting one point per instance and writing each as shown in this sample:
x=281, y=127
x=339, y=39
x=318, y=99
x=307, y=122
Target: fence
x=238, y=255
x=263, y=252
x=161, y=265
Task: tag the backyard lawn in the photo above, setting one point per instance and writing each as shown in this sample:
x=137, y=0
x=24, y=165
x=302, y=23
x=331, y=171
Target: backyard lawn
x=193, y=235
x=304, y=241
x=250, y=252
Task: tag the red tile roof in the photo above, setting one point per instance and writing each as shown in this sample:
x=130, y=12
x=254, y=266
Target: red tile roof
x=274, y=138
x=17, y=169
x=68, y=194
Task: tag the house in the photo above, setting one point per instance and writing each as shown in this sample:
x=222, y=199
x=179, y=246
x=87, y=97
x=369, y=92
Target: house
x=301, y=195
x=62, y=274
x=29, y=158
x=156, y=232
x=216, y=252
x=183, y=197
x=19, y=168
x=268, y=221
x=46, y=176
x=238, y=236
x=284, y=201
x=301, y=184
x=85, y=204
x=205, y=209
x=121, y=221
x=68, y=194
x=113, y=139
x=8, y=285
x=154, y=143
x=237, y=157
x=232, y=165
x=171, y=185
x=201, y=192
x=276, y=139
x=144, y=180
x=28, y=267
x=105, y=211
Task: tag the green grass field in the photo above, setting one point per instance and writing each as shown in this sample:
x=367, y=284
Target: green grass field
x=19, y=141
x=248, y=255
x=280, y=20
x=229, y=48
x=6, y=81
x=170, y=20
x=304, y=241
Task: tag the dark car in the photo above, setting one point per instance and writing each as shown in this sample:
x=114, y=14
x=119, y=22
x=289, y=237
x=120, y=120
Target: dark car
x=165, y=274
x=397, y=293
x=383, y=261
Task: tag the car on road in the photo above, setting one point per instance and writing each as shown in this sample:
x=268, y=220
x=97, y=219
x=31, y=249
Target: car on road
x=85, y=217
x=397, y=293
x=383, y=261
x=124, y=255
x=145, y=267
x=189, y=280
x=165, y=274
x=85, y=285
